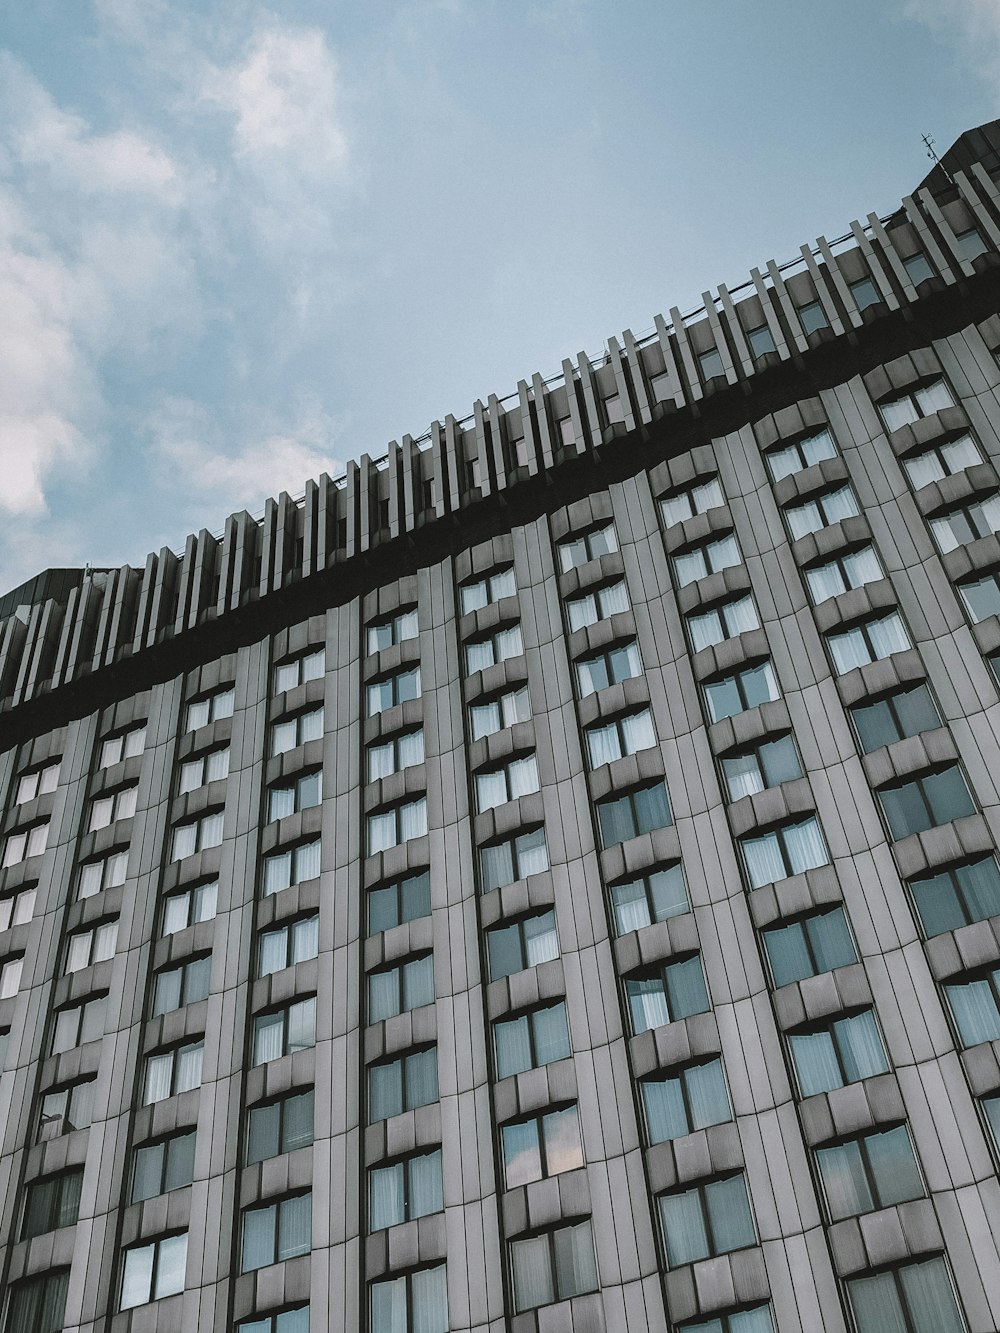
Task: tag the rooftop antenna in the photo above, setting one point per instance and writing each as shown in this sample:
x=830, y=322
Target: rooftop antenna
x=929, y=145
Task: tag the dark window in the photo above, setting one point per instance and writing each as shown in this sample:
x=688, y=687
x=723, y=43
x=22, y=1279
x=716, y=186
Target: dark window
x=745, y=689
x=506, y=862
x=635, y=813
x=65, y=1109
x=845, y=1051
x=654, y=896
x=554, y=1266
x=52, y=1203
x=812, y=317
x=756, y=1319
x=666, y=994
x=710, y=364
x=918, y=269
x=710, y=1219
x=531, y=1040
x=403, y=900
x=957, y=896
x=402, y=1084
x=811, y=945
x=872, y=1171
x=865, y=293
x=541, y=1146
x=761, y=340
x=280, y=1126
x=975, y=1004
x=524, y=943
x=417, y=1302
x=158, y=1168
x=906, y=713
x=395, y=990
x=913, y=1298
x=38, y=1305
x=685, y=1100
x=936, y=798
x=295, y=1320
x=767, y=765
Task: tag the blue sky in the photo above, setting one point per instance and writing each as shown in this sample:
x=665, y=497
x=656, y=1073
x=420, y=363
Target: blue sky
x=242, y=243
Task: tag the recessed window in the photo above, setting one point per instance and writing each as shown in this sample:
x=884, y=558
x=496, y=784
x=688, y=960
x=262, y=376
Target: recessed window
x=17, y=909
x=151, y=1272
x=212, y=708
x=504, y=863
x=293, y=866
x=531, y=1039
x=105, y=810
x=870, y=641
x=790, y=849
x=908, y=712
x=544, y=1145
x=78, y=1024
x=922, y=402
x=25, y=843
x=474, y=596
x=666, y=994
x=294, y=731
x=912, y=1298
x=52, y=1203
x=975, y=1004
x=722, y=622
x=711, y=365
x=403, y=900
x=66, y=1109
x=755, y=1320
x=835, y=1054
x=865, y=293
x=749, y=688
x=627, y=734
x=872, y=1171
x=390, y=828
x=280, y=1126
x=499, y=713
x=761, y=341
x=126, y=745
x=918, y=268
x=404, y=1191
x=524, y=943
x=196, y=835
x=414, y=1303
x=936, y=798
x=171, y=1072
x=637, y=812
x=211, y=767
x=957, y=896
x=294, y=942
x=942, y=460
x=611, y=600
x=518, y=777
x=96, y=945
x=276, y=1232
x=654, y=896
x=834, y=577
x=39, y=782
x=181, y=910
x=288, y=798
x=766, y=765
x=981, y=597
x=284, y=1031
x=483, y=653
x=685, y=1100
x=38, y=1305
x=554, y=1266
x=295, y=1320
x=710, y=1219
x=800, y=454
x=161, y=1167
x=395, y=629
x=708, y=558
x=310, y=666
x=608, y=668
x=822, y=512
x=402, y=1084
x=696, y=499
x=966, y=523
x=107, y=873
x=970, y=244
x=395, y=990
x=589, y=546
x=395, y=755
x=393, y=690
x=813, y=317
x=10, y=976
x=809, y=946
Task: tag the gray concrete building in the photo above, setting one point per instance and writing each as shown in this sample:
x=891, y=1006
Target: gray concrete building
x=545, y=880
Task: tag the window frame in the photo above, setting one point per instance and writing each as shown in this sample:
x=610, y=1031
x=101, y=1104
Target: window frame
x=606, y=656
x=392, y=681
x=496, y=639
x=917, y=783
x=294, y=853
x=501, y=574
x=201, y=762
x=913, y=397
x=266, y=1019
x=691, y=491
x=704, y=549
x=128, y=748
x=797, y=446
x=529, y=761
x=220, y=703
x=739, y=685
x=646, y=880
x=586, y=538
x=192, y=970
x=398, y=886
x=109, y=863
x=516, y=926
x=396, y=971
x=164, y=1144
x=402, y=1059
x=699, y=1189
x=275, y=1207
x=203, y=826
x=299, y=662
x=779, y=831
x=560, y=1292
x=184, y=1047
x=831, y=1025
x=302, y=721
x=862, y=627
x=679, y=1074
x=888, y=701
x=194, y=894
x=504, y=706
x=544, y=1149
x=874, y=1182
x=661, y=972
x=820, y=501
x=531, y=1014
x=154, y=1294
x=404, y=1164
x=951, y=873
x=802, y=921
x=402, y=620
x=46, y=780
x=516, y=857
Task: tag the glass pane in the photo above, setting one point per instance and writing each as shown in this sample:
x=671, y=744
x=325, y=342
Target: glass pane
x=815, y=1060
x=262, y=1133
x=532, y=853
x=686, y=991
x=723, y=699
x=521, y=1153
x=421, y=1078
x=305, y=939
x=137, y=1276
x=729, y=1214
x=905, y=809
x=948, y=795
x=532, y=1273
x=743, y=776
x=473, y=596
x=923, y=468
x=652, y=809
x=787, y=954
x=975, y=1009
x=684, y=1228
x=385, y=1090
x=763, y=858
x=180, y=1162
x=541, y=943
x=307, y=862
x=804, y=846
x=930, y=1298
x=418, y=982
x=426, y=1187
x=259, y=1238
x=845, y=1182
x=982, y=598
x=938, y=904
x=666, y=1115
x=302, y=1025
x=295, y=1226
x=550, y=1033
x=297, y=1121
x=491, y=790
x=581, y=611
x=497, y=866
x=876, y=1304
x=189, y=1067
x=267, y=1039
x=707, y=1096
x=604, y=745
x=647, y=1003
x=860, y=1046
x=893, y=1166
x=690, y=566
x=513, y=1046
x=831, y=940
x=386, y=1197
x=576, y=1268
x=779, y=761
x=631, y=907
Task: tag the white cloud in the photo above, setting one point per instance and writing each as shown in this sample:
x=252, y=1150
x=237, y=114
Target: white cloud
x=974, y=24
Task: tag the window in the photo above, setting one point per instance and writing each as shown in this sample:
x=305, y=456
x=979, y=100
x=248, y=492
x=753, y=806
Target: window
x=906, y=713
x=52, y=1203
x=506, y=862
x=531, y=1039
x=622, y=817
x=813, y=317
x=957, y=896
x=182, y=985
x=494, y=648
x=942, y=460
x=403, y=900
x=104, y=810
x=181, y=910
x=970, y=244
x=17, y=909
x=554, y=1266
x=626, y=734
x=10, y=976
x=287, y=945
x=474, y=596
x=768, y=765
x=981, y=597
x=78, y=1024
x=590, y=546
x=827, y=509
x=918, y=269
x=210, y=709
x=544, y=1145
x=873, y=1171
x=518, y=777
x=913, y=1298
x=755, y=1320
x=24, y=843
x=692, y=500
x=126, y=745
x=395, y=990
x=211, y=767
x=722, y=622
x=310, y=666
x=172, y=1072
x=280, y=1126
x=749, y=688
x=685, y=1100
x=871, y=641
x=844, y=1051
x=966, y=523
x=608, y=668
x=710, y=1219
x=395, y=629
x=196, y=835
x=665, y=994
x=403, y=1191
x=790, y=849
x=288, y=1321
x=846, y=571
x=37, y=783
x=708, y=558
x=710, y=364
x=922, y=402
x=800, y=454
x=976, y=1007
x=498, y=714
x=151, y=1272
x=524, y=943
x=389, y=828
x=107, y=873
x=297, y=730
x=288, y=798
x=808, y=946
x=394, y=755
x=277, y=1232
x=761, y=341
x=91, y=946
x=393, y=690
x=158, y=1168
x=294, y=866
x=284, y=1031
x=600, y=604
x=935, y=798
x=402, y=1084
x=65, y=1109
x=865, y=293
x=414, y=1303
x=654, y=896
x=38, y=1305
